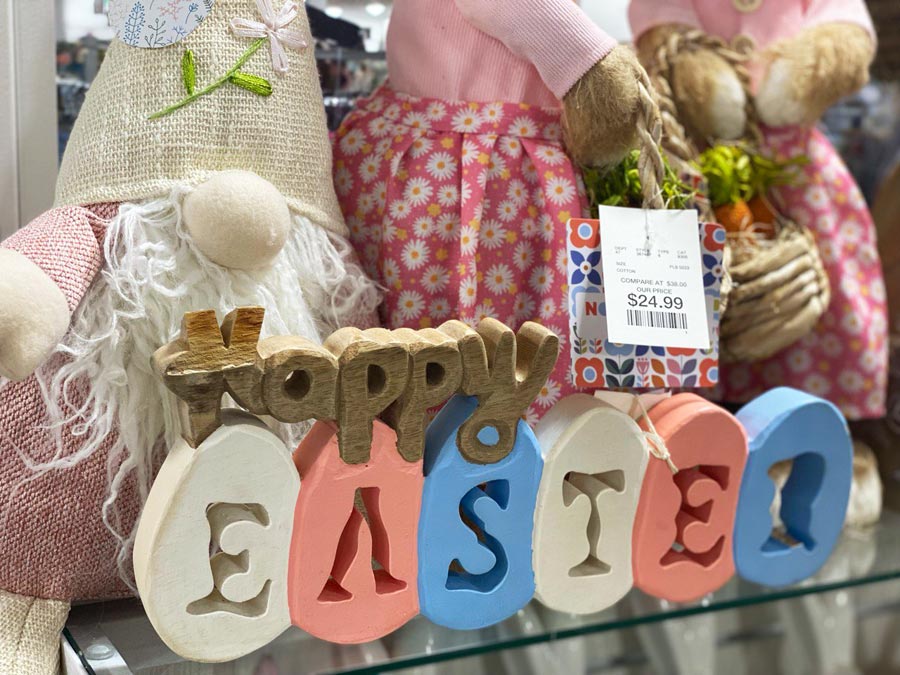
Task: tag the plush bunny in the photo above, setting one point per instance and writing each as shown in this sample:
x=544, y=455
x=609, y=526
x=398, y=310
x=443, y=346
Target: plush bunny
x=806, y=55
x=458, y=177
x=197, y=176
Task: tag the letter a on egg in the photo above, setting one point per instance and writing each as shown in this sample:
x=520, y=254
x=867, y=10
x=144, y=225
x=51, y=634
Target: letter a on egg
x=684, y=527
x=476, y=525
x=352, y=572
x=594, y=462
x=788, y=424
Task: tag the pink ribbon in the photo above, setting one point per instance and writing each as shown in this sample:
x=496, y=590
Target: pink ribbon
x=274, y=26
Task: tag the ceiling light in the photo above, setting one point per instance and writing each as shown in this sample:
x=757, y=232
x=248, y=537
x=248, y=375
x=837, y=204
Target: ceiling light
x=334, y=12
x=376, y=8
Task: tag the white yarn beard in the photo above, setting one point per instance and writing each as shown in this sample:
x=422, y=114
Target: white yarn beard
x=152, y=277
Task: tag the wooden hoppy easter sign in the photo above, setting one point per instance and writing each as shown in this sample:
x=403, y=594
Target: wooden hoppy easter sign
x=379, y=515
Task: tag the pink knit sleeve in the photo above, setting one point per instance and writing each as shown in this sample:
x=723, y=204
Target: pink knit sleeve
x=556, y=36
x=839, y=11
x=67, y=244
x=647, y=14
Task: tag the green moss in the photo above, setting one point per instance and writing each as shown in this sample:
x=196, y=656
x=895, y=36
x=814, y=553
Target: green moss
x=733, y=173
x=621, y=186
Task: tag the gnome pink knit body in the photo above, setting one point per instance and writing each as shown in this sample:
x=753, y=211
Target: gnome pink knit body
x=52, y=520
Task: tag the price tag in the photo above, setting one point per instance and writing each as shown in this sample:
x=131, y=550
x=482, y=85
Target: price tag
x=653, y=278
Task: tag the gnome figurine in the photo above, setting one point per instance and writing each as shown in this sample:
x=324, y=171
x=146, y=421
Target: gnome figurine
x=197, y=176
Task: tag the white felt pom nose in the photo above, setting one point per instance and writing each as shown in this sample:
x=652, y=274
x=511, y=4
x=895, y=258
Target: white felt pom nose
x=238, y=220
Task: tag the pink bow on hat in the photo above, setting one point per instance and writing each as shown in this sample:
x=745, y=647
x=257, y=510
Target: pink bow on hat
x=273, y=26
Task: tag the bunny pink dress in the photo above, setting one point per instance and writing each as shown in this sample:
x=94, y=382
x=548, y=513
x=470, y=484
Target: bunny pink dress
x=453, y=178
x=845, y=358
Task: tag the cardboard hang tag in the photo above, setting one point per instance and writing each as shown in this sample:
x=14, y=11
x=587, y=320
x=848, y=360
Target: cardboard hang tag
x=652, y=273
x=654, y=360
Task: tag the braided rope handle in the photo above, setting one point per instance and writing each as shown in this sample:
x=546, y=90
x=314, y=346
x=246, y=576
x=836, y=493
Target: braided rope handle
x=659, y=130
x=651, y=167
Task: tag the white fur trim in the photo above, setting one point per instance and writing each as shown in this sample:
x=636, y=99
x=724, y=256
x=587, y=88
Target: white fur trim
x=776, y=101
x=238, y=220
x=34, y=315
x=729, y=115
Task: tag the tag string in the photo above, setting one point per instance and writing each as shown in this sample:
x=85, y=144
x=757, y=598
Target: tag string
x=655, y=442
x=647, y=243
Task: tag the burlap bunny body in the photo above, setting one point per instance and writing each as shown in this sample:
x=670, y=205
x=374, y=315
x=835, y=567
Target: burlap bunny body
x=805, y=55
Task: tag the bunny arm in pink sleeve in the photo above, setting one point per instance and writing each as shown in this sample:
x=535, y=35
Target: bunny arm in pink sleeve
x=470, y=50
x=562, y=57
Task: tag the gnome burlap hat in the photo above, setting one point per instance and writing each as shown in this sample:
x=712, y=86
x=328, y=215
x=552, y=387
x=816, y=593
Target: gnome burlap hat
x=194, y=87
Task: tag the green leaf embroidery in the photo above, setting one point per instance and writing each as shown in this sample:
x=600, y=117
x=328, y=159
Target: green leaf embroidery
x=221, y=81
x=258, y=85
x=188, y=72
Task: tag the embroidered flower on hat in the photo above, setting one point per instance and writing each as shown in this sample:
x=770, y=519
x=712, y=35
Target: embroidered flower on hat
x=274, y=26
x=273, y=29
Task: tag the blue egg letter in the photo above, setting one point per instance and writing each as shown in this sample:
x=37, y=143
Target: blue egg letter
x=788, y=424
x=476, y=525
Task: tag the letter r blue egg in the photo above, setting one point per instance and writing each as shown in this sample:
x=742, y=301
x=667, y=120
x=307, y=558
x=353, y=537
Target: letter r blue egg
x=471, y=580
x=787, y=424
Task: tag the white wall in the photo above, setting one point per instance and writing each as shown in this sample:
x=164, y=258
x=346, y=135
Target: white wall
x=611, y=15
x=80, y=19
x=28, y=144
x=9, y=173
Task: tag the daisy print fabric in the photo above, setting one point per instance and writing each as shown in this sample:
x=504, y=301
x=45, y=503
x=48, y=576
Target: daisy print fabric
x=460, y=211
x=845, y=359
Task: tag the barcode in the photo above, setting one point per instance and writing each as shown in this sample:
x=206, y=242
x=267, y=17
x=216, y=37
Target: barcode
x=644, y=318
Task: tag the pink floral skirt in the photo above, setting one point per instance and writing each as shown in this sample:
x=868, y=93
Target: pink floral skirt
x=459, y=210
x=845, y=359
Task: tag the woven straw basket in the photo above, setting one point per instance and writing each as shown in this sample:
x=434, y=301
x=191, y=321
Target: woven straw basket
x=779, y=292
x=778, y=289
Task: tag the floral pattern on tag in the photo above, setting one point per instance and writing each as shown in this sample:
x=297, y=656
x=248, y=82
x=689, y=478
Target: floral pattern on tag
x=152, y=24
x=598, y=363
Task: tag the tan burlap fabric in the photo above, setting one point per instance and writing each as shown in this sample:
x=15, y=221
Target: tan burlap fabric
x=29, y=634
x=116, y=154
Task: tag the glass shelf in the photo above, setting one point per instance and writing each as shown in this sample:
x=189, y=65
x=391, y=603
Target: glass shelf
x=117, y=638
